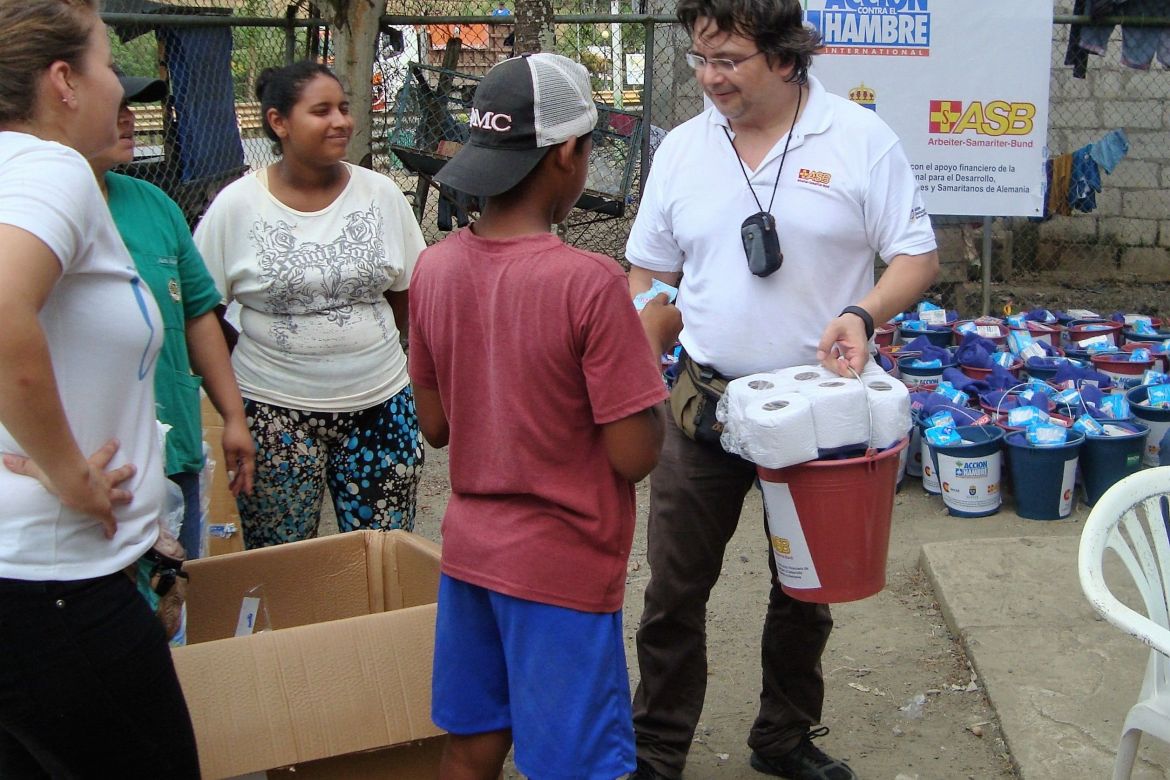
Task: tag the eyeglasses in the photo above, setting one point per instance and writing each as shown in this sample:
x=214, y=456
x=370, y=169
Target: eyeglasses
x=698, y=61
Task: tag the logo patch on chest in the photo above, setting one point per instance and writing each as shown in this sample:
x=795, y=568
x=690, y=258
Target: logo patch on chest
x=818, y=178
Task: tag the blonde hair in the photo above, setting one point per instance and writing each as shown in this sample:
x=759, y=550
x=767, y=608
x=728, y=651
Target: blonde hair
x=33, y=35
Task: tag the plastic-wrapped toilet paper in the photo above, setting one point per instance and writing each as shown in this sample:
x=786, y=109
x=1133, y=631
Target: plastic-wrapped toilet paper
x=889, y=409
x=773, y=432
x=801, y=376
x=743, y=391
x=840, y=410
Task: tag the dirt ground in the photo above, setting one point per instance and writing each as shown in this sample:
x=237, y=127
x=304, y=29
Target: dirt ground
x=884, y=652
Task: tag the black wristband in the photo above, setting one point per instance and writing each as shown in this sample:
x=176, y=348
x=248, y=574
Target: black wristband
x=865, y=318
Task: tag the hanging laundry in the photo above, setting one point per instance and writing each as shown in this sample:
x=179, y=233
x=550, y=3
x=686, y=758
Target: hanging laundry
x=1110, y=149
x=1085, y=181
x=1058, y=188
x=1073, y=180
x=1139, y=45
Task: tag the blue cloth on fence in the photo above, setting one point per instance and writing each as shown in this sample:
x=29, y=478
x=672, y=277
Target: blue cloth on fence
x=199, y=63
x=1085, y=182
x=1110, y=149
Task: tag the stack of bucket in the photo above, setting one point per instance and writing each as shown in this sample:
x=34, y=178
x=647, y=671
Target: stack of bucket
x=971, y=476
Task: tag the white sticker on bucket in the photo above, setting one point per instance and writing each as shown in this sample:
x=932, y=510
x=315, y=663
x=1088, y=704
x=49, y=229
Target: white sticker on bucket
x=1067, y=482
x=929, y=478
x=794, y=563
x=970, y=484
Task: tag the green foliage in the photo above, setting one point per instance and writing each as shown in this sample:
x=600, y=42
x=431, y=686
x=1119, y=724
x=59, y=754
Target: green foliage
x=256, y=48
x=138, y=57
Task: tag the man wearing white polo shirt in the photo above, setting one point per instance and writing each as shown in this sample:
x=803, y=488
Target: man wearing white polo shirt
x=766, y=210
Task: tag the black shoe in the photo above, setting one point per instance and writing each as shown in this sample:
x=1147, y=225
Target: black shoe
x=646, y=772
x=806, y=761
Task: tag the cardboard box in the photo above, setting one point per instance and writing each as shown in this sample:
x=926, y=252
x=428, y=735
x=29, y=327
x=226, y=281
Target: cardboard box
x=344, y=670
x=222, y=514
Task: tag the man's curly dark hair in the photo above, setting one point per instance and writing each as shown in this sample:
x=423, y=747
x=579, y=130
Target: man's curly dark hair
x=777, y=27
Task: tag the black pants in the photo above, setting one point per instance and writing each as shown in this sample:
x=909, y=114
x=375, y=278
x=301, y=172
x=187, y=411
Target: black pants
x=696, y=494
x=87, y=686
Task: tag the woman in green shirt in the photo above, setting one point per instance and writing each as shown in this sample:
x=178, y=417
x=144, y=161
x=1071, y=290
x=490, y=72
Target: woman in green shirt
x=194, y=352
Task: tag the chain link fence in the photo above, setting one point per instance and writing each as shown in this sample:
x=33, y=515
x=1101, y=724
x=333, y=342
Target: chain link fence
x=431, y=52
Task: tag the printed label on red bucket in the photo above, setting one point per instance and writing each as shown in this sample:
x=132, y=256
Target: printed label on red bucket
x=794, y=563
x=970, y=484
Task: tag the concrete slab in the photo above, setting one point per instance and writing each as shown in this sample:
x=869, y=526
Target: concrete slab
x=1059, y=678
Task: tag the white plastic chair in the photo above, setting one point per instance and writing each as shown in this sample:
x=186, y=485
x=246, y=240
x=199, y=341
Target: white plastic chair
x=1133, y=520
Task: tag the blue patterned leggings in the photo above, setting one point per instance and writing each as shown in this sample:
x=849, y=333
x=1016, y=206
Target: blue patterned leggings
x=371, y=461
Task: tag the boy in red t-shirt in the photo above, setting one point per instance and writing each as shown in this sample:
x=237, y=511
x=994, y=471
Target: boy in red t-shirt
x=528, y=359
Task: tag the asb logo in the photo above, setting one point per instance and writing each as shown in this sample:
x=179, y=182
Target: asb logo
x=819, y=178
x=898, y=28
x=994, y=118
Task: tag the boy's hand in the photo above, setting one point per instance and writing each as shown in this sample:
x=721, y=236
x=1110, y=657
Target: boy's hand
x=662, y=322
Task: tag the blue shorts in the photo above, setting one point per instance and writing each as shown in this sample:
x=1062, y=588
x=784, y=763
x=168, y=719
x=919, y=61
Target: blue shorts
x=556, y=677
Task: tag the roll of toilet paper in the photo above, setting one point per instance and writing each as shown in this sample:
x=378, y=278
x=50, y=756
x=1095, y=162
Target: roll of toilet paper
x=745, y=390
x=801, y=376
x=778, y=431
x=889, y=410
x=840, y=411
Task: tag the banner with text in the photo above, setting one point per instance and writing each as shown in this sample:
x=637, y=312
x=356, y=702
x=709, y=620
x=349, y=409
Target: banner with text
x=965, y=89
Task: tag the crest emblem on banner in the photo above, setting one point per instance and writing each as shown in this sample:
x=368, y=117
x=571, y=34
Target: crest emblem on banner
x=864, y=96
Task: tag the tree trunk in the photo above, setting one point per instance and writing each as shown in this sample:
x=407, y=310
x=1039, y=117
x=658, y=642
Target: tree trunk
x=534, y=26
x=355, y=38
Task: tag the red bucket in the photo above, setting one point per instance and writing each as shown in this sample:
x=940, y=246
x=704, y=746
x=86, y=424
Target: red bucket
x=1040, y=331
x=1161, y=359
x=829, y=523
x=1124, y=372
x=883, y=335
x=1088, y=330
x=982, y=373
x=990, y=328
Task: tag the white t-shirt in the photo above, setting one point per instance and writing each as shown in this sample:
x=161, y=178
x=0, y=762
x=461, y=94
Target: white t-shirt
x=846, y=193
x=104, y=332
x=316, y=331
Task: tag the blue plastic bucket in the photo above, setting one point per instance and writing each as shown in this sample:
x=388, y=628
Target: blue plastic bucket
x=1042, y=368
x=969, y=473
x=1146, y=338
x=1044, y=477
x=939, y=336
x=1106, y=459
x=1158, y=421
x=913, y=377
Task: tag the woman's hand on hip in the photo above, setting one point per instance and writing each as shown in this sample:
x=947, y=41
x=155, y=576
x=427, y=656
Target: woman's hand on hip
x=94, y=493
